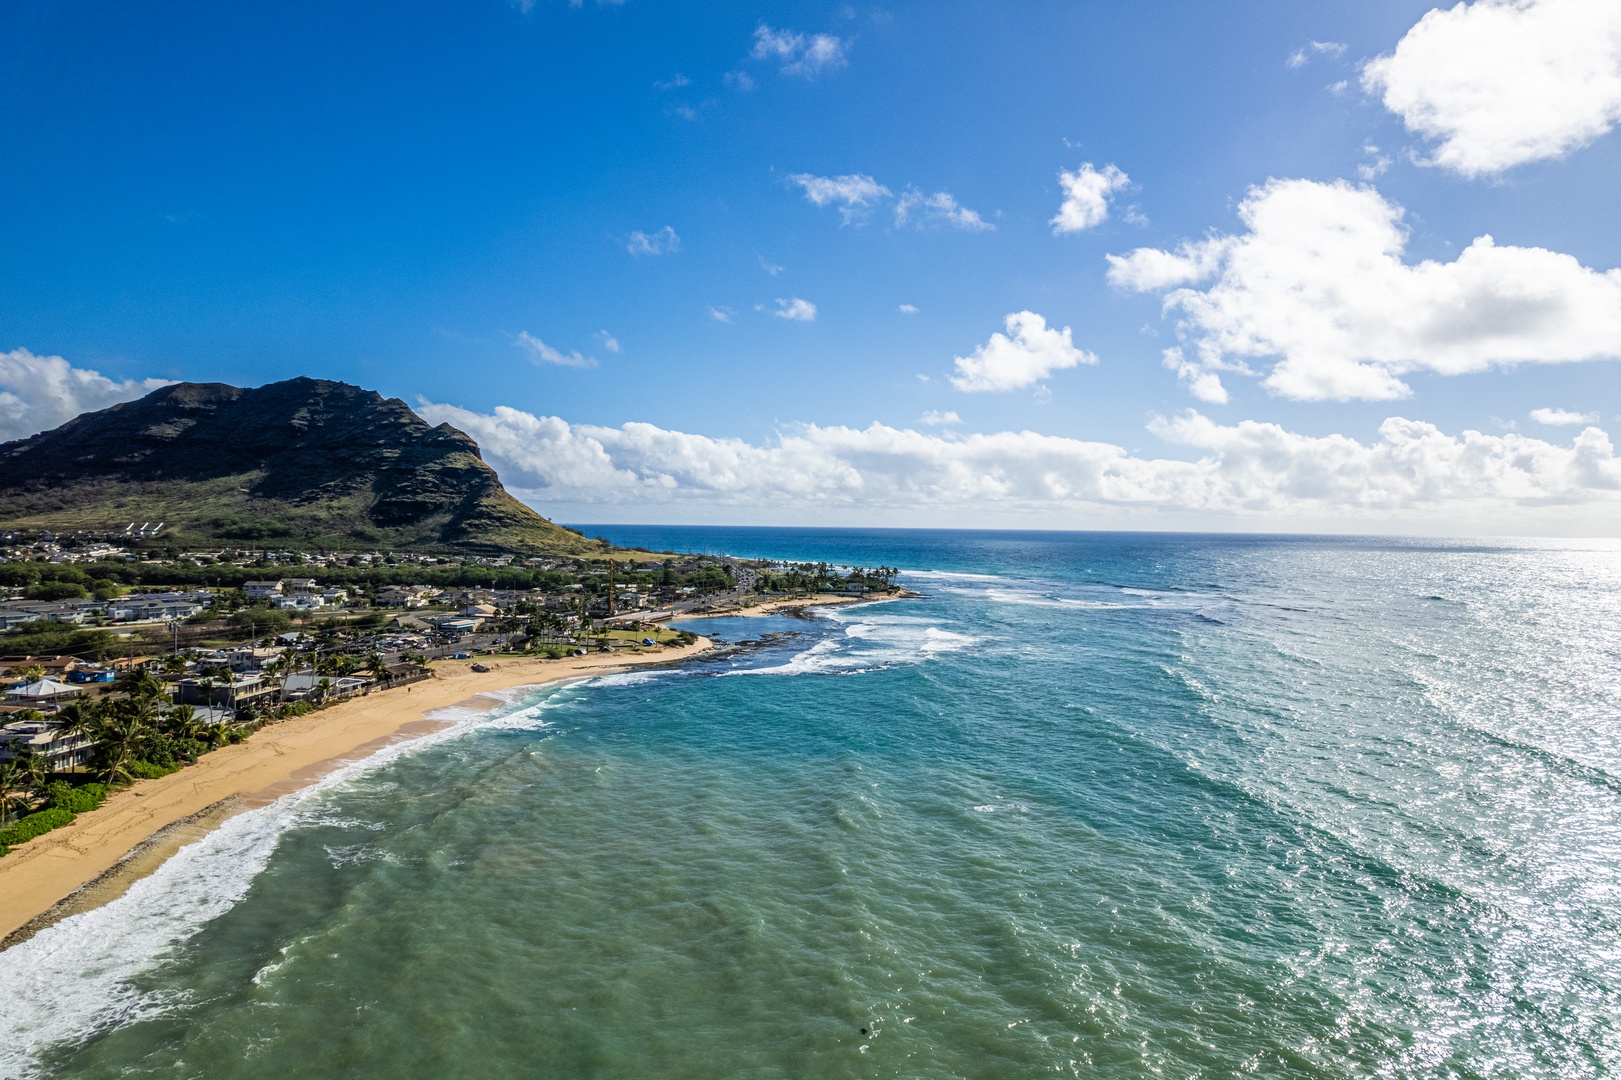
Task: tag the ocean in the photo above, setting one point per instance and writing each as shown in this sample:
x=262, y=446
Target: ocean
x=1114, y=805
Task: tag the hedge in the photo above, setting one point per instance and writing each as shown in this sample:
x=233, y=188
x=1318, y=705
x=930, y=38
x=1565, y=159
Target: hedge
x=34, y=825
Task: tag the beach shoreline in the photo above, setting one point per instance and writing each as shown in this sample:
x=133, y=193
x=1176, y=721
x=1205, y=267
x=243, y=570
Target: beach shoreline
x=99, y=855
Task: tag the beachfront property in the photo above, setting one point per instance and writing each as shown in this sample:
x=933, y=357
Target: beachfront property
x=237, y=692
x=44, y=739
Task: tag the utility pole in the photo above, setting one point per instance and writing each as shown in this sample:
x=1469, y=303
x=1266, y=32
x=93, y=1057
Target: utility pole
x=610, y=588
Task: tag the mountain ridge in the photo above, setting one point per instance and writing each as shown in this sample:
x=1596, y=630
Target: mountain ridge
x=304, y=463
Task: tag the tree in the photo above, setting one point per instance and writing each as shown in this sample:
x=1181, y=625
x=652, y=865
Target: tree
x=11, y=779
x=36, y=771
x=32, y=673
x=118, y=738
x=139, y=684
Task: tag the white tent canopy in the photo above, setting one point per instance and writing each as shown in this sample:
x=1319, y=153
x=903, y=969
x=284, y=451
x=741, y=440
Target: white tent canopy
x=43, y=690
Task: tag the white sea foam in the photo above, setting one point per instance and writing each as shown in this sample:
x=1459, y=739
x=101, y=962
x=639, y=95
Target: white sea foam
x=79, y=976
x=869, y=642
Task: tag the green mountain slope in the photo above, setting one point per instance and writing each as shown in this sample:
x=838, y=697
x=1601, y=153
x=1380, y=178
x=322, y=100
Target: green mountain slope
x=304, y=464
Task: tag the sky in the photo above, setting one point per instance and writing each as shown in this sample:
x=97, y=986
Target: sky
x=1252, y=266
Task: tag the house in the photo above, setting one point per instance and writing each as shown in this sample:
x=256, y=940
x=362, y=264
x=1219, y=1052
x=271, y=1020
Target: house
x=261, y=590
x=405, y=596
x=298, y=602
x=239, y=692
x=47, y=739
x=307, y=684
x=334, y=597
x=152, y=607
x=478, y=611
x=55, y=667
x=298, y=585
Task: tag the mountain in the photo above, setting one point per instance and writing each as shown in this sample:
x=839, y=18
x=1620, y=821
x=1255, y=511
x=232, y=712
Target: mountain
x=305, y=464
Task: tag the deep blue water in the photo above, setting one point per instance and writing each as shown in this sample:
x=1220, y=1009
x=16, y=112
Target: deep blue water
x=1095, y=804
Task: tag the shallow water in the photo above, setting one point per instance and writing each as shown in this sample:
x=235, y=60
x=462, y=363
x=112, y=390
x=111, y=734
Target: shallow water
x=1102, y=805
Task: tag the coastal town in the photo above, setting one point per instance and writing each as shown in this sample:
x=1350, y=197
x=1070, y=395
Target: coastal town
x=120, y=662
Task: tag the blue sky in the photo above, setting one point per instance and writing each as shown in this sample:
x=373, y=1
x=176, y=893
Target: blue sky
x=414, y=197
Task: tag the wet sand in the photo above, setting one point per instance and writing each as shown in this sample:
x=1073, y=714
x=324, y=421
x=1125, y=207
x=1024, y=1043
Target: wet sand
x=96, y=858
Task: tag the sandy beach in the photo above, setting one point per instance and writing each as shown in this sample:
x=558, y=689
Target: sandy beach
x=96, y=857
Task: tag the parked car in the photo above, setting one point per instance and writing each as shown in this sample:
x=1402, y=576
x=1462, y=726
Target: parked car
x=479, y=668
x=461, y=656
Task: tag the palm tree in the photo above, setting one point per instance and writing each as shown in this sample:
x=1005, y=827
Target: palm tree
x=79, y=720
x=140, y=685
x=174, y=665
x=36, y=772
x=32, y=673
x=217, y=734
x=182, y=723
x=118, y=737
x=11, y=778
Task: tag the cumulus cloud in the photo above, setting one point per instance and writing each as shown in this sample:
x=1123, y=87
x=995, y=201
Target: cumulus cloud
x=1498, y=83
x=805, y=55
x=853, y=194
x=1243, y=471
x=656, y=243
x=936, y=418
x=1086, y=197
x=795, y=310
x=1318, y=285
x=1030, y=354
x=540, y=353
x=907, y=309
x=1198, y=380
x=609, y=342
x=722, y=314
x=1563, y=417
x=38, y=393
x=941, y=208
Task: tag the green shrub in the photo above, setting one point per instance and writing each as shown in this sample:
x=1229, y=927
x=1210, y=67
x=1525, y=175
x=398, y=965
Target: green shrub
x=34, y=825
x=75, y=799
x=148, y=770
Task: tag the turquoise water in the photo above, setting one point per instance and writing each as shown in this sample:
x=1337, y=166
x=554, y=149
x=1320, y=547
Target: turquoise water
x=1095, y=805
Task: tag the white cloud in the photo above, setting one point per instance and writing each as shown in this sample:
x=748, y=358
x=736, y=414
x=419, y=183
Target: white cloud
x=1318, y=283
x=936, y=418
x=1299, y=57
x=1498, y=83
x=1200, y=381
x=907, y=309
x=722, y=314
x=939, y=208
x=799, y=54
x=38, y=393
x=1032, y=353
x=853, y=194
x=795, y=310
x=1563, y=417
x=740, y=81
x=609, y=342
x=770, y=267
x=541, y=353
x=1086, y=197
x=657, y=243
x=674, y=82
x=1245, y=473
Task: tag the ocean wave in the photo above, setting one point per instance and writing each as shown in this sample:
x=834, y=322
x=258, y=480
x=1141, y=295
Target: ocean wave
x=869, y=644
x=78, y=976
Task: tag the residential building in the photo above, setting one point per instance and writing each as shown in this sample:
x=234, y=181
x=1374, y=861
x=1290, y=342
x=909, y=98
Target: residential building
x=45, y=738
x=261, y=590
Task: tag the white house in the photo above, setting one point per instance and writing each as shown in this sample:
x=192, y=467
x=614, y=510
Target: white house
x=261, y=590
